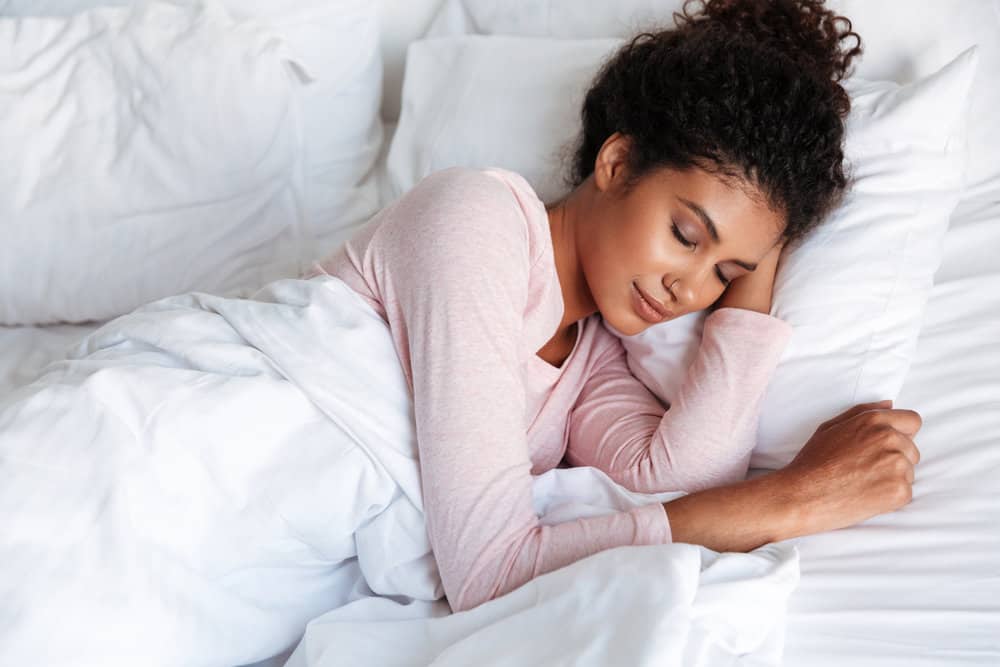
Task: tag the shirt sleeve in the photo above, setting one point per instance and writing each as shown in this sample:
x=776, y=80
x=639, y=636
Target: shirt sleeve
x=454, y=262
x=706, y=437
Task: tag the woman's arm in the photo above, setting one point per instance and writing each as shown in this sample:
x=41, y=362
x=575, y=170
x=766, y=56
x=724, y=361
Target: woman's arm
x=855, y=466
x=738, y=517
x=753, y=291
x=706, y=436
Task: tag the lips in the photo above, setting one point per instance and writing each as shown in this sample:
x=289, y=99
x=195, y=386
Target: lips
x=653, y=303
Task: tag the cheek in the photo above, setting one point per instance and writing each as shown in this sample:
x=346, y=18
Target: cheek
x=610, y=263
x=630, y=248
x=649, y=249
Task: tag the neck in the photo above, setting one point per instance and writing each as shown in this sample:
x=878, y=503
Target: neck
x=564, y=225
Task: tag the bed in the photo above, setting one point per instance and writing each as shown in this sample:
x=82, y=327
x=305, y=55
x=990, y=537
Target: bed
x=920, y=586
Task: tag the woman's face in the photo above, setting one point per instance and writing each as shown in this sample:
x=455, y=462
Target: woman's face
x=657, y=238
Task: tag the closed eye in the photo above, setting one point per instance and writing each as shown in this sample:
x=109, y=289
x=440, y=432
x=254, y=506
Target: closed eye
x=691, y=244
x=680, y=237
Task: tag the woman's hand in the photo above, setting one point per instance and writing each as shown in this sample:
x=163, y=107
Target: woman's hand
x=753, y=291
x=855, y=466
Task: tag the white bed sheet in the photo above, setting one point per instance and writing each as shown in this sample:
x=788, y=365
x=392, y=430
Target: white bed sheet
x=25, y=350
x=920, y=586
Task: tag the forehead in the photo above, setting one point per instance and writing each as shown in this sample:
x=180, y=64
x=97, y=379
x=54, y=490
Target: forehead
x=740, y=212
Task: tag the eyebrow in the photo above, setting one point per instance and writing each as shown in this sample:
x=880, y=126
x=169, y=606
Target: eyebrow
x=712, y=231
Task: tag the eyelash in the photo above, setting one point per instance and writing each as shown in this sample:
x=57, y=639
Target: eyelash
x=689, y=244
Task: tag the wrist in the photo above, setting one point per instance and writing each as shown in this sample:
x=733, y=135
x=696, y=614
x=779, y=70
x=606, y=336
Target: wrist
x=740, y=516
x=749, y=298
x=759, y=307
x=786, y=508
x=753, y=291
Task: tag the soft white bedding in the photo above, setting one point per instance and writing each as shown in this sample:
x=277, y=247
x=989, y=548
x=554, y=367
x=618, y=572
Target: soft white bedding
x=24, y=351
x=671, y=605
x=203, y=476
x=920, y=586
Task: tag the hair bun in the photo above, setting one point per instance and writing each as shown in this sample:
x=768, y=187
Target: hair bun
x=804, y=30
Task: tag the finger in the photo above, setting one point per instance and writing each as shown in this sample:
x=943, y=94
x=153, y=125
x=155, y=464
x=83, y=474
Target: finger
x=909, y=475
x=907, y=422
x=850, y=413
x=910, y=450
x=774, y=253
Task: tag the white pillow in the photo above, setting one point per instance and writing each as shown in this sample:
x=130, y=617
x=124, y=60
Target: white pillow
x=504, y=101
x=855, y=290
x=146, y=152
x=904, y=40
x=336, y=44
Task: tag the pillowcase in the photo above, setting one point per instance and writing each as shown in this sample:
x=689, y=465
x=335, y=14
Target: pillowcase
x=476, y=101
x=147, y=152
x=901, y=44
x=854, y=291
x=334, y=45
x=337, y=43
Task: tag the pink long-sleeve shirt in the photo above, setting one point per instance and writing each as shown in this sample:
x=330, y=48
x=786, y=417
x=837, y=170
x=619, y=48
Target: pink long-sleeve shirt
x=462, y=269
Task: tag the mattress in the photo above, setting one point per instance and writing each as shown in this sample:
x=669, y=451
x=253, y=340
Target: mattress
x=920, y=586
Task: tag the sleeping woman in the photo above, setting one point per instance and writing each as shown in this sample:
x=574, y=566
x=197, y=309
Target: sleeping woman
x=206, y=474
x=704, y=149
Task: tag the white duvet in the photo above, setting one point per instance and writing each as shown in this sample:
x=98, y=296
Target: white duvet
x=200, y=478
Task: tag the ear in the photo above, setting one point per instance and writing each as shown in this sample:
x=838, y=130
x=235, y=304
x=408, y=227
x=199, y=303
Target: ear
x=610, y=166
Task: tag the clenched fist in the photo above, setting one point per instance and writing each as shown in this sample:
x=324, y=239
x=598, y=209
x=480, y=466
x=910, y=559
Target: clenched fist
x=855, y=466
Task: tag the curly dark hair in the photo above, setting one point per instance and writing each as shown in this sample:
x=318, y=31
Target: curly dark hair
x=745, y=89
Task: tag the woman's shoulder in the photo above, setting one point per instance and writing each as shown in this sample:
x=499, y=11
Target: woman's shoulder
x=481, y=176
x=472, y=206
x=466, y=186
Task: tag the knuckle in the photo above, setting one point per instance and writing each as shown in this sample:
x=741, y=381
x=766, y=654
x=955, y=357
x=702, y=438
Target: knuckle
x=881, y=433
x=902, y=492
x=889, y=435
x=900, y=439
x=871, y=418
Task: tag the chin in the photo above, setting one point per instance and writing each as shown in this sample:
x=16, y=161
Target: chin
x=629, y=325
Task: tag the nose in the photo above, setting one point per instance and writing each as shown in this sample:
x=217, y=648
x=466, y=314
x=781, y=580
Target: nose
x=685, y=290
x=684, y=294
